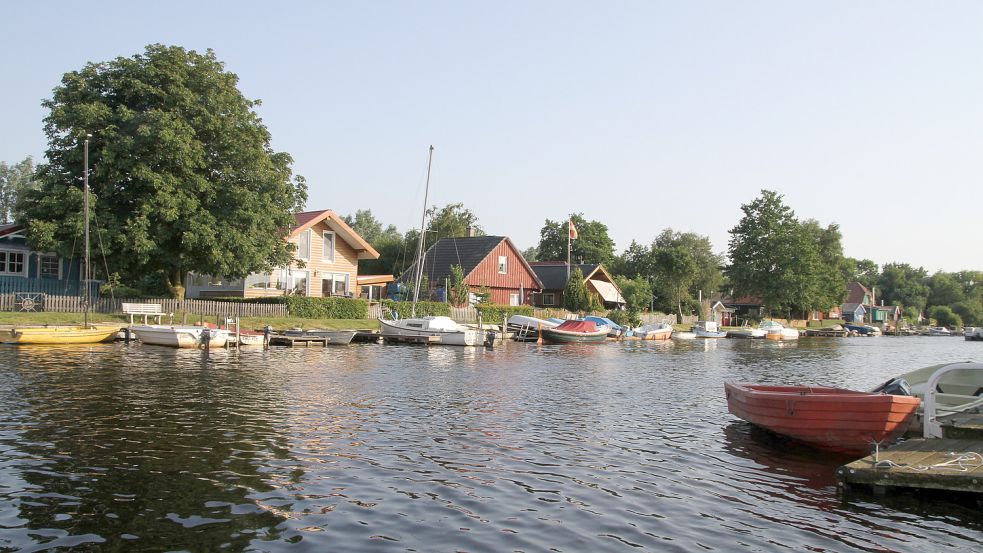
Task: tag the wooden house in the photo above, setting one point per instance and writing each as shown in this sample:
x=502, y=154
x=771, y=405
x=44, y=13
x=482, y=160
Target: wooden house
x=553, y=275
x=735, y=311
x=326, y=264
x=23, y=270
x=486, y=261
x=873, y=313
x=853, y=312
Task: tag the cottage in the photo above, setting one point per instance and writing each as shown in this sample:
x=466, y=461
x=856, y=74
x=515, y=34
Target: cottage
x=487, y=261
x=554, y=276
x=23, y=270
x=853, y=312
x=326, y=264
x=731, y=311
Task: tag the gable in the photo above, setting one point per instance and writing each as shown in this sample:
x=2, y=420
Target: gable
x=336, y=224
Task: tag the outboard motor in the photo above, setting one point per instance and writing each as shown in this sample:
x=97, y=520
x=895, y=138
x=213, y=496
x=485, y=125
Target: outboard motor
x=894, y=387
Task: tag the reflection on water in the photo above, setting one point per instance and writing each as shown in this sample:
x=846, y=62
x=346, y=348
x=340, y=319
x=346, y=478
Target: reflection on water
x=577, y=448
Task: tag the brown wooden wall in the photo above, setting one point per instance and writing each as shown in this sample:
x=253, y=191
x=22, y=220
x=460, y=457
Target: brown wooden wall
x=486, y=274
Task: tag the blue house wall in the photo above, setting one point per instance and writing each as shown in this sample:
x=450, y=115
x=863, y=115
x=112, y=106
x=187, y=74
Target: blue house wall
x=21, y=268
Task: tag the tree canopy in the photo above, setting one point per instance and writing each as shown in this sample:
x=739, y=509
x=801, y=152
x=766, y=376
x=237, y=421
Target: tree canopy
x=790, y=266
x=15, y=181
x=182, y=173
x=593, y=245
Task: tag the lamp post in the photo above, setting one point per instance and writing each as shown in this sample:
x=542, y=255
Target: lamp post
x=85, y=203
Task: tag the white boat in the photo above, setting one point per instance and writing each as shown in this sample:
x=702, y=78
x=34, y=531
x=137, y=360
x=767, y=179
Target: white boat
x=684, y=336
x=957, y=387
x=707, y=329
x=525, y=328
x=449, y=332
x=250, y=338
x=939, y=331
x=775, y=331
x=973, y=333
x=180, y=336
x=748, y=332
x=655, y=331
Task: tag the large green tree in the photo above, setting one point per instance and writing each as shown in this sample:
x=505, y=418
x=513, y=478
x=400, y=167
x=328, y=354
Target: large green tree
x=183, y=175
x=15, y=181
x=675, y=271
x=776, y=258
x=902, y=284
x=387, y=240
x=592, y=245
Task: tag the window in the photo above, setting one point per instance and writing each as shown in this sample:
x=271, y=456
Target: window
x=503, y=264
x=304, y=245
x=334, y=284
x=514, y=299
x=12, y=263
x=296, y=282
x=328, y=246
x=50, y=266
x=549, y=299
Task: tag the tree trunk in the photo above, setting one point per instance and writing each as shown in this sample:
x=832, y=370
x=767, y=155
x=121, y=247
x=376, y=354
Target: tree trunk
x=175, y=284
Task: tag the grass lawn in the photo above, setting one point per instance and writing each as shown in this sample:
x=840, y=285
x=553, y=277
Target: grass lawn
x=278, y=323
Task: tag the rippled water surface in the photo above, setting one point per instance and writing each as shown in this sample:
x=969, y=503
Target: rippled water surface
x=603, y=447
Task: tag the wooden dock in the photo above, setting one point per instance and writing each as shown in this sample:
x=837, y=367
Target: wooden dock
x=935, y=464
x=826, y=333
x=294, y=341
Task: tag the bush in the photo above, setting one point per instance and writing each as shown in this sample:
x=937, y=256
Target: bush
x=326, y=308
x=944, y=315
x=624, y=318
x=423, y=308
x=492, y=313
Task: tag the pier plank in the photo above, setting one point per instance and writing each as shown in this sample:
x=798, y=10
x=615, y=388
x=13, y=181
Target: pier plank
x=920, y=463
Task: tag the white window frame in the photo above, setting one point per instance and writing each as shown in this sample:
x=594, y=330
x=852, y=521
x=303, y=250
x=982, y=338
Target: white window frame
x=551, y=296
x=503, y=264
x=514, y=299
x=328, y=237
x=6, y=262
x=41, y=258
x=301, y=254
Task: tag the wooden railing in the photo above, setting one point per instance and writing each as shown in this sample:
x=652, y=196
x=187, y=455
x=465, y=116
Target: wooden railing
x=74, y=304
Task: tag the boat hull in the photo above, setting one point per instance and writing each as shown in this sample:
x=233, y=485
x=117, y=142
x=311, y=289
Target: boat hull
x=179, y=336
x=62, y=334
x=833, y=419
x=655, y=334
x=463, y=337
x=557, y=336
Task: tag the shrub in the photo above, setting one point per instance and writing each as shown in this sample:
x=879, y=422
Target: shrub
x=423, y=308
x=327, y=308
x=944, y=315
x=493, y=313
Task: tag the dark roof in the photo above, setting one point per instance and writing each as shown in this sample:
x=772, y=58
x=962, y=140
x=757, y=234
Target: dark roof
x=857, y=292
x=554, y=274
x=466, y=251
x=10, y=229
x=851, y=307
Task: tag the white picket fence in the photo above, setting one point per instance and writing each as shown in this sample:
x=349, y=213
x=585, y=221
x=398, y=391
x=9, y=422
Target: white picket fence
x=74, y=304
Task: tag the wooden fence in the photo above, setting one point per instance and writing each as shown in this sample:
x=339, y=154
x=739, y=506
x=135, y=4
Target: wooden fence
x=74, y=304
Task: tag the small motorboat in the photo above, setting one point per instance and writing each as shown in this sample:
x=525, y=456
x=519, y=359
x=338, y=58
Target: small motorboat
x=614, y=329
x=250, y=338
x=958, y=389
x=862, y=330
x=708, y=329
x=973, y=333
x=939, y=331
x=525, y=328
x=181, y=336
x=834, y=419
x=776, y=331
x=684, y=335
x=747, y=332
x=575, y=331
x=655, y=331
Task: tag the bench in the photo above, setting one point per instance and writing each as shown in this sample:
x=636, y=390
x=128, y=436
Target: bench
x=145, y=309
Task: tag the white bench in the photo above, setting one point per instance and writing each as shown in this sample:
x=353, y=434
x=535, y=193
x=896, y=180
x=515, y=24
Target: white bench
x=145, y=309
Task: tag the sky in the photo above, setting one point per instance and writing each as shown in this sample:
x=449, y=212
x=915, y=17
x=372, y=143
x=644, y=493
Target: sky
x=643, y=115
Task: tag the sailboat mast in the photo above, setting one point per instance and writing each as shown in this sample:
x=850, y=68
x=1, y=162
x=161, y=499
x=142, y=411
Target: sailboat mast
x=85, y=203
x=423, y=231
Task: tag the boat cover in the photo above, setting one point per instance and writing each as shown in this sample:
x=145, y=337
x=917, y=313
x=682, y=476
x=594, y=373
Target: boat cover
x=603, y=321
x=578, y=326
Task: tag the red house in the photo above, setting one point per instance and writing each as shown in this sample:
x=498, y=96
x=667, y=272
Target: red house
x=487, y=261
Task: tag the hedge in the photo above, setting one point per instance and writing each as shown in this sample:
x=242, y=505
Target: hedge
x=423, y=308
x=493, y=313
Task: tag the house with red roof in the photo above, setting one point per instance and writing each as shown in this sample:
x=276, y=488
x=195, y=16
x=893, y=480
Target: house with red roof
x=325, y=264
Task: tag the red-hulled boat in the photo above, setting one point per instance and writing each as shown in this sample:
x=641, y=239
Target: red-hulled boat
x=575, y=331
x=835, y=419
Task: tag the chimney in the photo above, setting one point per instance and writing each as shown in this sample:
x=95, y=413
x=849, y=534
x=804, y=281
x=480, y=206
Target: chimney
x=471, y=232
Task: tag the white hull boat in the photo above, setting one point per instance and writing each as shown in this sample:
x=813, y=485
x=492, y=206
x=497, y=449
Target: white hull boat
x=708, y=329
x=958, y=388
x=657, y=331
x=775, y=331
x=684, y=336
x=449, y=332
x=525, y=328
x=180, y=336
x=973, y=333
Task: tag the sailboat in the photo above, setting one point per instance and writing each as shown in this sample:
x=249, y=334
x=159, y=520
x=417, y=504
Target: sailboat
x=70, y=334
x=446, y=329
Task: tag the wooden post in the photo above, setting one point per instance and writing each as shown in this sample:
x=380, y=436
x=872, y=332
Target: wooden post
x=539, y=337
x=505, y=326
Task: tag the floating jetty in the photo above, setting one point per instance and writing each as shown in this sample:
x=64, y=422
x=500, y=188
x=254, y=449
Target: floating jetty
x=827, y=332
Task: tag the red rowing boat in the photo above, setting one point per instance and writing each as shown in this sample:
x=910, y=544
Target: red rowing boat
x=840, y=420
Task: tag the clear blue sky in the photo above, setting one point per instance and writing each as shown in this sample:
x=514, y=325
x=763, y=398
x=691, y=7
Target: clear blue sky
x=642, y=115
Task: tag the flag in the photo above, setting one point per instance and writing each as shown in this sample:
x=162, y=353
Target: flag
x=573, y=230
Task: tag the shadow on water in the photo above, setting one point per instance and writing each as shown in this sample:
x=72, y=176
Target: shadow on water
x=136, y=447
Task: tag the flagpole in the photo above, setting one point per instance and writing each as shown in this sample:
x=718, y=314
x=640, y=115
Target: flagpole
x=568, y=250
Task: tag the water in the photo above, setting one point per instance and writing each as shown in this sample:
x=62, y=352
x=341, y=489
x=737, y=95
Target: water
x=616, y=446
